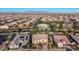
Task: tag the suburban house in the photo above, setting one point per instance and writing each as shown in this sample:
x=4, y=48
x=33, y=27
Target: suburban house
x=19, y=41
x=43, y=27
x=61, y=40
x=75, y=38
x=40, y=38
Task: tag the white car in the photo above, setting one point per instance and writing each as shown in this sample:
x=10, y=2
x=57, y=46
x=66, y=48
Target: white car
x=14, y=46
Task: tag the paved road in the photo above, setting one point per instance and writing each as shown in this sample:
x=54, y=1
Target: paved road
x=37, y=50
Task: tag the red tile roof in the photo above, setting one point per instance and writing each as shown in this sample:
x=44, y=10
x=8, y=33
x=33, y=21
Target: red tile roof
x=61, y=39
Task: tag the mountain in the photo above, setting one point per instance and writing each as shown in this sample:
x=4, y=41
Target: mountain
x=37, y=12
x=30, y=12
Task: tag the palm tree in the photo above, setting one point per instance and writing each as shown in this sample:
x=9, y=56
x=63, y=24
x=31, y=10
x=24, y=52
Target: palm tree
x=60, y=25
x=19, y=30
x=54, y=27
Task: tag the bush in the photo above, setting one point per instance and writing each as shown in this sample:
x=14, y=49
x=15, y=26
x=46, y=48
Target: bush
x=33, y=46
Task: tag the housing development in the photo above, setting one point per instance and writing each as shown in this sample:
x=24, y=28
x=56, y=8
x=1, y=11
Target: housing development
x=39, y=32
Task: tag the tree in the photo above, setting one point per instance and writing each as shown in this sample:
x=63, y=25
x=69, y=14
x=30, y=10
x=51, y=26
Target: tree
x=75, y=25
x=54, y=27
x=33, y=46
x=60, y=25
x=19, y=30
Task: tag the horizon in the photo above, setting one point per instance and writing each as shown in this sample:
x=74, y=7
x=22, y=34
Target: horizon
x=48, y=10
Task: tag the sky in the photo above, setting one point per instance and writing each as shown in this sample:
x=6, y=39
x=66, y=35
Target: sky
x=52, y=10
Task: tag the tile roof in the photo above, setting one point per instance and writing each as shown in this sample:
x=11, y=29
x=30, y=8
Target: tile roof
x=61, y=39
x=40, y=36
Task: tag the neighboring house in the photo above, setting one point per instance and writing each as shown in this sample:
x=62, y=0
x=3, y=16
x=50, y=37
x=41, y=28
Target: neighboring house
x=19, y=41
x=61, y=40
x=43, y=27
x=40, y=38
x=23, y=25
x=75, y=38
x=2, y=39
x=4, y=27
